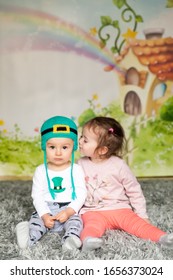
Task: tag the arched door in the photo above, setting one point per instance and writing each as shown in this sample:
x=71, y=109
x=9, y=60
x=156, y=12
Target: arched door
x=132, y=104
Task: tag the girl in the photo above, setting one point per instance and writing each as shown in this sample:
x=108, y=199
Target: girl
x=115, y=199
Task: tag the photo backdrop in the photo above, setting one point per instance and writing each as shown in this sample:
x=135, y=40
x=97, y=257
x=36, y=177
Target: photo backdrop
x=82, y=59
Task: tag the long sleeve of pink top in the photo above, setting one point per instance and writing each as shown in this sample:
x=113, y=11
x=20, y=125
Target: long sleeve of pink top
x=111, y=185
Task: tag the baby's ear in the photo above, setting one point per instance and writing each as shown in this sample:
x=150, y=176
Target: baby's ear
x=103, y=150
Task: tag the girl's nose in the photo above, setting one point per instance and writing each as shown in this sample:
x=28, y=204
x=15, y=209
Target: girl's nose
x=80, y=140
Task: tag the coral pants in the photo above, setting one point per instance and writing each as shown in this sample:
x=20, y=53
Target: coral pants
x=97, y=222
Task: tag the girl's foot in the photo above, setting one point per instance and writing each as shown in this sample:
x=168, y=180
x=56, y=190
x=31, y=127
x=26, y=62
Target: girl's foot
x=167, y=240
x=91, y=243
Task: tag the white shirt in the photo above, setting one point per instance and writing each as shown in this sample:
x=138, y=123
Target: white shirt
x=40, y=191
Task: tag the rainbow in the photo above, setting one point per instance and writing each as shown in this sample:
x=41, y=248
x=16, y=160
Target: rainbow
x=28, y=30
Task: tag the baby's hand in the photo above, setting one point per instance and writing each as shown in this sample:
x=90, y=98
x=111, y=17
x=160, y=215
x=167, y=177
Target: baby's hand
x=48, y=220
x=62, y=216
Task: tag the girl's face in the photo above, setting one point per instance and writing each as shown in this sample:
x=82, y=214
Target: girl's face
x=88, y=143
x=58, y=152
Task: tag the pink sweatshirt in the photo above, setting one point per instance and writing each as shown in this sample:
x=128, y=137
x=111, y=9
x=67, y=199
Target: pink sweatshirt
x=111, y=185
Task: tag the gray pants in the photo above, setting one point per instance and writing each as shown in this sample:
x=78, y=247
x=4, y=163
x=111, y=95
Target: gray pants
x=73, y=226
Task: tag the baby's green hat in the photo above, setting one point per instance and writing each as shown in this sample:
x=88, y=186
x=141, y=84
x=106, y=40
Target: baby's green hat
x=59, y=127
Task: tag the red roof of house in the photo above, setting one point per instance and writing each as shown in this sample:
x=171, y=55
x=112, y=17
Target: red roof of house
x=157, y=54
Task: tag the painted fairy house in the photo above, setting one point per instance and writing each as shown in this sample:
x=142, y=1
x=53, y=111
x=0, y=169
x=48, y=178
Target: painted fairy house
x=148, y=79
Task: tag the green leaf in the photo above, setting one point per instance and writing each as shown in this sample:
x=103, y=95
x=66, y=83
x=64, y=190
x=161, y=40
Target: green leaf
x=169, y=4
x=139, y=18
x=114, y=50
x=119, y=3
x=106, y=20
x=115, y=23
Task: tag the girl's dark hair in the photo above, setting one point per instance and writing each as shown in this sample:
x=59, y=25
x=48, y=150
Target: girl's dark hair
x=110, y=134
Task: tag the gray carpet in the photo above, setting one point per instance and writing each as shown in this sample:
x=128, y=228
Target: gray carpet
x=16, y=206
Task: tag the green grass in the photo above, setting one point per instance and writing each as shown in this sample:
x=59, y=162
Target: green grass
x=152, y=153
x=154, y=150
x=19, y=156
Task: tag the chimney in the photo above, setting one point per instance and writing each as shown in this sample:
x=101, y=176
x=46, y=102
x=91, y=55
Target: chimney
x=153, y=33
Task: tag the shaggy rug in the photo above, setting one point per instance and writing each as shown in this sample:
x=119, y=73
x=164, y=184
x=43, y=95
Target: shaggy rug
x=16, y=206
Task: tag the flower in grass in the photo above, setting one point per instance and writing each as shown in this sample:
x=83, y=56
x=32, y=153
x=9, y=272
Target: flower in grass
x=2, y=122
x=36, y=129
x=95, y=96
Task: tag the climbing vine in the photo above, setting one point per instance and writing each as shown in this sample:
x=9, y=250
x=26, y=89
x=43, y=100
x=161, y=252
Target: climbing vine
x=127, y=15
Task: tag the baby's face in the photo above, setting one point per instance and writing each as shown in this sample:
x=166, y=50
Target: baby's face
x=58, y=152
